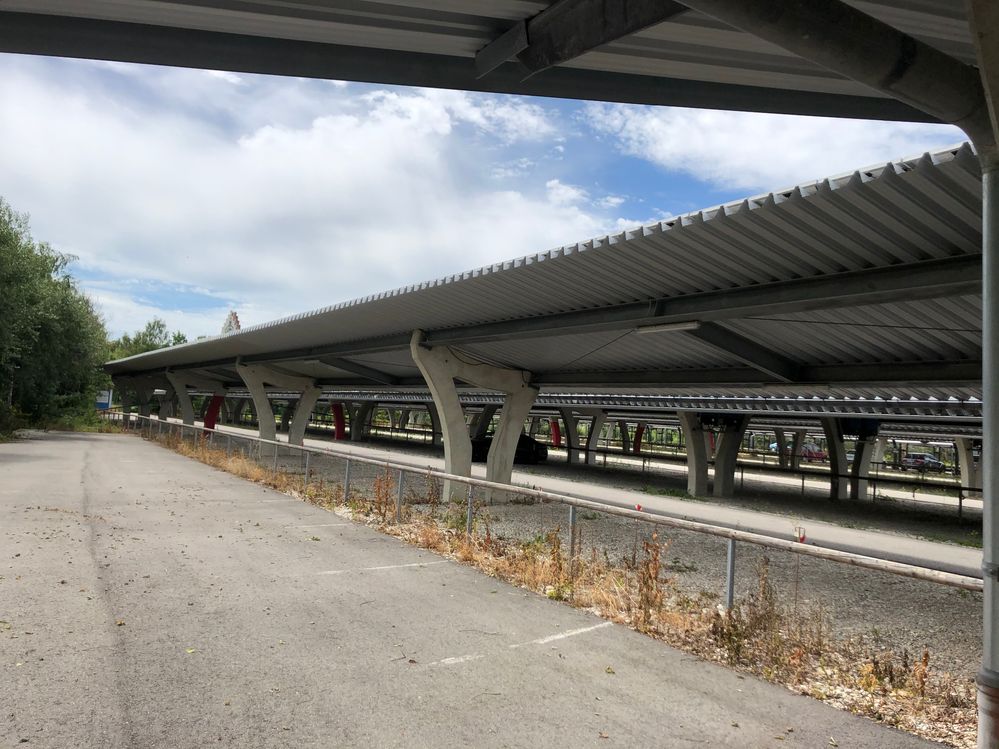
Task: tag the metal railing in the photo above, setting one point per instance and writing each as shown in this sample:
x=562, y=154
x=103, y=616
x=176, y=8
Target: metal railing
x=306, y=457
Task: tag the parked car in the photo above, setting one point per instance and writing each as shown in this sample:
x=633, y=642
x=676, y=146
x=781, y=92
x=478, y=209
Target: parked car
x=922, y=462
x=529, y=450
x=812, y=452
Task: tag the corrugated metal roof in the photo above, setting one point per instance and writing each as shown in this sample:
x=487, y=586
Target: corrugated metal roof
x=419, y=42
x=878, y=217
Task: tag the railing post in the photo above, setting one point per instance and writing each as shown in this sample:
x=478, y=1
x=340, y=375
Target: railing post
x=398, y=499
x=228, y=445
x=730, y=576
x=468, y=512
x=307, y=456
x=274, y=465
x=572, y=541
x=346, y=482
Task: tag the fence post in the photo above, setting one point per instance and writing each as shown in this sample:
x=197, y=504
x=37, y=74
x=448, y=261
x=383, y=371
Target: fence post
x=468, y=512
x=274, y=465
x=228, y=445
x=572, y=541
x=307, y=456
x=346, y=482
x=398, y=499
x=730, y=576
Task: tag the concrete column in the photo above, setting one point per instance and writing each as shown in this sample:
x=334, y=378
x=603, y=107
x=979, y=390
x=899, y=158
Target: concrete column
x=782, y=457
x=303, y=412
x=838, y=483
x=404, y=419
x=480, y=426
x=532, y=428
x=499, y=463
x=236, y=410
x=571, y=436
x=794, y=458
x=440, y=368
x=726, y=454
x=625, y=437
x=697, y=454
x=636, y=446
x=360, y=416
x=436, y=428
x=971, y=469
x=863, y=455
x=596, y=427
x=253, y=378
x=166, y=402
x=286, y=413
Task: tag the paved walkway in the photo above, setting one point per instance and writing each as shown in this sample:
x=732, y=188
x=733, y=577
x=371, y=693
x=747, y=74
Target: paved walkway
x=148, y=600
x=942, y=556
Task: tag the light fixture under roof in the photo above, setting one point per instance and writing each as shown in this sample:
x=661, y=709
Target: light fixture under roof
x=668, y=327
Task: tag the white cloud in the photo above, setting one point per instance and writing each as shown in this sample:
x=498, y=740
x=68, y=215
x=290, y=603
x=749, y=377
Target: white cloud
x=280, y=194
x=563, y=194
x=751, y=151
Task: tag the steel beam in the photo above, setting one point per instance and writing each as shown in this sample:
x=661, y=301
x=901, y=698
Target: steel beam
x=568, y=29
x=368, y=373
x=847, y=41
x=63, y=36
x=912, y=281
x=748, y=352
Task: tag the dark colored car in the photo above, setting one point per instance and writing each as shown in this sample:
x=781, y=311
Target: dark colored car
x=922, y=462
x=529, y=450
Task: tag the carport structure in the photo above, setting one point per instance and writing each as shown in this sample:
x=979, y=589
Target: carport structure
x=935, y=60
x=863, y=287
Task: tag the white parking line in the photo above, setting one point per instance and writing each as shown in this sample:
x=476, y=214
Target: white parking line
x=457, y=660
x=321, y=525
x=386, y=567
x=563, y=635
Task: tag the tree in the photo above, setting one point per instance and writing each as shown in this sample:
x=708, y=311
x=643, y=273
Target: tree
x=153, y=336
x=52, y=341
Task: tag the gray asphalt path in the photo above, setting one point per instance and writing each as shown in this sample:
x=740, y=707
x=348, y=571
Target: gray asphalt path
x=150, y=601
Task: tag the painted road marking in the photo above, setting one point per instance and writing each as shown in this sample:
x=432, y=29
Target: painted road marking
x=322, y=525
x=386, y=567
x=563, y=635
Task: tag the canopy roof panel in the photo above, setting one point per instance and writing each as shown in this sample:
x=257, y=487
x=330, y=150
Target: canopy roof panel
x=862, y=285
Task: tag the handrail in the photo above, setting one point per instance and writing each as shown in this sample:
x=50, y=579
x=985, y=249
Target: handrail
x=916, y=572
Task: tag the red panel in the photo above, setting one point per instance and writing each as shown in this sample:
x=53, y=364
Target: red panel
x=637, y=444
x=556, y=433
x=212, y=414
x=339, y=427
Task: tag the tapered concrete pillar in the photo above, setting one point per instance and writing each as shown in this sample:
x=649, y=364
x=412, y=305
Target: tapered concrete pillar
x=499, y=464
x=863, y=455
x=304, y=407
x=622, y=427
x=440, y=368
x=592, y=439
x=286, y=412
x=404, y=419
x=436, y=428
x=726, y=455
x=360, y=420
x=571, y=436
x=183, y=398
x=971, y=468
x=256, y=378
x=697, y=454
x=794, y=456
x=782, y=451
x=532, y=427
x=166, y=403
x=839, y=484
x=480, y=426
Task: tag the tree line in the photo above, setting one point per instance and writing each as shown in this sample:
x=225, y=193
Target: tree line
x=52, y=339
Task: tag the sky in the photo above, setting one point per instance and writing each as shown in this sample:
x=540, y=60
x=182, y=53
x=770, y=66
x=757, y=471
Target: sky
x=186, y=193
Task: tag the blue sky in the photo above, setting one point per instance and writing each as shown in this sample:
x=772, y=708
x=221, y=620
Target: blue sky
x=186, y=193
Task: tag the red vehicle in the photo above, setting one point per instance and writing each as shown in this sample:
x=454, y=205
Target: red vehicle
x=812, y=452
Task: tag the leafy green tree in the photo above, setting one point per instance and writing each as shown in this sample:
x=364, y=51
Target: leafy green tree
x=52, y=341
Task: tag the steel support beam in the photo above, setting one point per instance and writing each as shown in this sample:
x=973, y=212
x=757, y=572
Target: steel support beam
x=843, y=39
x=566, y=30
x=63, y=36
x=748, y=352
x=368, y=373
x=923, y=280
